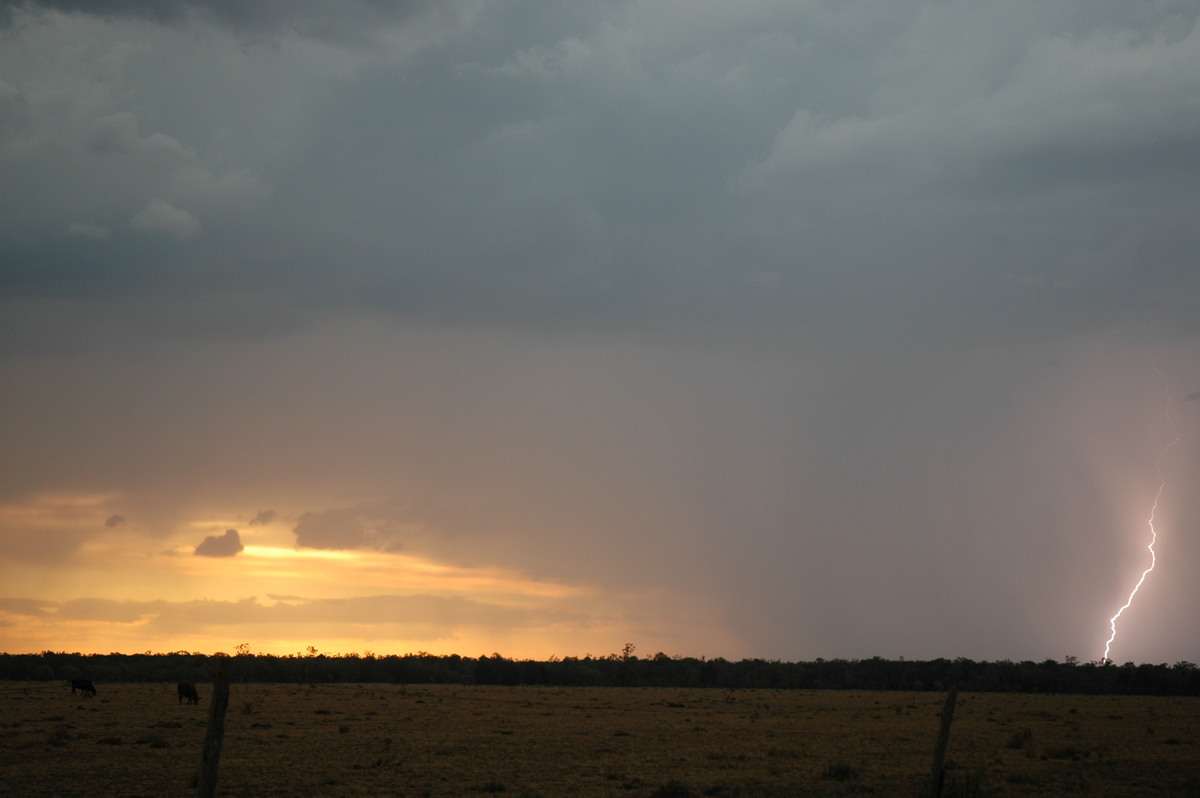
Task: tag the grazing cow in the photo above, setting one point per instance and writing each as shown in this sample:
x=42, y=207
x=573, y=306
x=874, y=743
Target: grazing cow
x=84, y=686
x=188, y=690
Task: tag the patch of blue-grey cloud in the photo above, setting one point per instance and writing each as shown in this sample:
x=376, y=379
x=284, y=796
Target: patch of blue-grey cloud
x=351, y=22
x=979, y=164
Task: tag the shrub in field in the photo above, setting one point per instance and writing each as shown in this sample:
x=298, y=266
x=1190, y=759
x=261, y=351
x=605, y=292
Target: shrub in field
x=59, y=737
x=1064, y=752
x=672, y=789
x=153, y=740
x=965, y=785
x=840, y=771
x=1018, y=739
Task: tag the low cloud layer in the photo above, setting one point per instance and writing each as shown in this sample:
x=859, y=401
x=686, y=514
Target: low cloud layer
x=285, y=624
x=345, y=529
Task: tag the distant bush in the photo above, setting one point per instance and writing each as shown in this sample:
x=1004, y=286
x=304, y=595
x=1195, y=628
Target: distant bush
x=1018, y=739
x=964, y=785
x=621, y=670
x=672, y=789
x=1064, y=752
x=840, y=771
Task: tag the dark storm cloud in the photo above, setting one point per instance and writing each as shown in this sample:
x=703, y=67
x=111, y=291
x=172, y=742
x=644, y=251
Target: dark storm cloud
x=788, y=167
x=226, y=545
x=114, y=520
x=348, y=20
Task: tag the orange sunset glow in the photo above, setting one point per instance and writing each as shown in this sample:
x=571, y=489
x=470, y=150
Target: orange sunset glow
x=280, y=599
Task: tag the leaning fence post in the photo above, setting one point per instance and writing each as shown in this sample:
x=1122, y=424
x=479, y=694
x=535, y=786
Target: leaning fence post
x=206, y=781
x=939, y=751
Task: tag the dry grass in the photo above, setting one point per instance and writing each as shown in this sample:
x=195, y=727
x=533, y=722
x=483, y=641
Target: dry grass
x=343, y=740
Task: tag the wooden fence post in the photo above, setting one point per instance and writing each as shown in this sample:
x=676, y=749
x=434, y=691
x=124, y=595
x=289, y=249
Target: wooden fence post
x=939, y=751
x=206, y=781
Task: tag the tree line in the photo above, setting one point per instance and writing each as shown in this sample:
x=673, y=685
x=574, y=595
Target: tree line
x=617, y=670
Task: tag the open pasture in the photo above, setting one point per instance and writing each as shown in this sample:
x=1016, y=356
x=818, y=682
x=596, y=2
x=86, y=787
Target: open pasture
x=424, y=740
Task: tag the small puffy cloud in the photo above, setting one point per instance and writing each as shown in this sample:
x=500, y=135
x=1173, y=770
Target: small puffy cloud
x=263, y=518
x=120, y=134
x=93, y=231
x=116, y=133
x=1193, y=397
x=226, y=545
x=161, y=216
x=114, y=520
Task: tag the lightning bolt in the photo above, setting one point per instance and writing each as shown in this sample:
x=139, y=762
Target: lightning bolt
x=1162, y=483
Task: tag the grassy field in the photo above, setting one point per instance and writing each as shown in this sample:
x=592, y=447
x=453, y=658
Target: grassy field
x=345, y=740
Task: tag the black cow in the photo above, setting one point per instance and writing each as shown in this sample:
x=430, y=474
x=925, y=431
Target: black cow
x=84, y=686
x=188, y=690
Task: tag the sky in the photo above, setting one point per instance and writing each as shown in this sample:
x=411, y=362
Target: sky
x=785, y=329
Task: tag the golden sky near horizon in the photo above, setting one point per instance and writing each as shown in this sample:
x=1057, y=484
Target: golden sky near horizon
x=115, y=595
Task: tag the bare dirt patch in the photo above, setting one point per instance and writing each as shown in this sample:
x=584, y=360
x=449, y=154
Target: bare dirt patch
x=348, y=740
